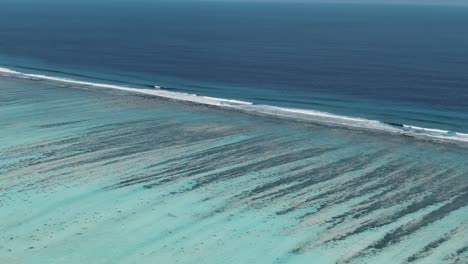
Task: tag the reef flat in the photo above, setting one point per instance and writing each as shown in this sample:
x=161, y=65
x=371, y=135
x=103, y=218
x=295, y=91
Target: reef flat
x=105, y=176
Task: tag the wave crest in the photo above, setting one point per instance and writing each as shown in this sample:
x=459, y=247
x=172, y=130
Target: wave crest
x=291, y=113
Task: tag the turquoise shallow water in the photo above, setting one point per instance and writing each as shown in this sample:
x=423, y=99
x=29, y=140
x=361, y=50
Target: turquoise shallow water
x=103, y=176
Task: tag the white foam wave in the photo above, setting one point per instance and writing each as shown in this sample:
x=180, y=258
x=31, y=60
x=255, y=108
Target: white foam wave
x=5, y=70
x=322, y=117
x=161, y=93
x=231, y=101
x=435, y=133
x=300, y=114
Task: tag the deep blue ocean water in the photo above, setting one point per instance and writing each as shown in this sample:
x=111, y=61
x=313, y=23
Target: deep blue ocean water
x=397, y=64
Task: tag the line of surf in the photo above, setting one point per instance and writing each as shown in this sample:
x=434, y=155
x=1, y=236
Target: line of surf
x=290, y=113
x=161, y=93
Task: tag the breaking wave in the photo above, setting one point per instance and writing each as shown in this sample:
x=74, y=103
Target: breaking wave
x=290, y=113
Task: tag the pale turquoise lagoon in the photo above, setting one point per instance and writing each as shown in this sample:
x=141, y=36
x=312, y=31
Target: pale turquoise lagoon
x=90, y=175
